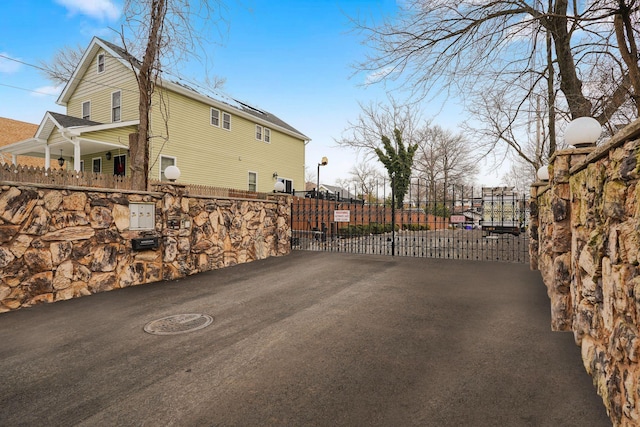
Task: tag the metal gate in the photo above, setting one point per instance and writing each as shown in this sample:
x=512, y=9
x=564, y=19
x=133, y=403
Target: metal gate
x=453, y=222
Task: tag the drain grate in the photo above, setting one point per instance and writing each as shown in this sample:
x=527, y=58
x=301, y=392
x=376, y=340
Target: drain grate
x=178, y=324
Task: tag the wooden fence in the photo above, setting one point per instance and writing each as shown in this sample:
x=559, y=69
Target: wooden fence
x=40, y=175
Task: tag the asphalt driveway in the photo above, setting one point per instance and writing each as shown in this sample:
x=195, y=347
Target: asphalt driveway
x=311, y=339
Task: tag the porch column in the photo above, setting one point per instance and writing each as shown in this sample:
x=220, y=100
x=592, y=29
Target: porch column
x=76, y=155
x=47, y=157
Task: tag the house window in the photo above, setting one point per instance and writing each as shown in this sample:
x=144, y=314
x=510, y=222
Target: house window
x=165, y=162
x=288, y=184
x=253, y=181
x=226, y=121
x=86, y=110
x=120, y=165
x=267, y=135
x=101, y=63
x=259, y=132
x=97, y=165
x=81, y=165
x=115, y=106
x=215, y=117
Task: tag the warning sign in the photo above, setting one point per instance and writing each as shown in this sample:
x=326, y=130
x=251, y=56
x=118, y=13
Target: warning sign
x=457, y=219
x=342, y=216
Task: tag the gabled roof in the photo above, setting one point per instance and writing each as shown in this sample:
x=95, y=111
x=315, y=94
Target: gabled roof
x=228, y=103
x=68, y=121
x=85, y=62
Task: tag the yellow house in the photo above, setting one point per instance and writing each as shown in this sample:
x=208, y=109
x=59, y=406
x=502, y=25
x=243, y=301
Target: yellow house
x=216, y=141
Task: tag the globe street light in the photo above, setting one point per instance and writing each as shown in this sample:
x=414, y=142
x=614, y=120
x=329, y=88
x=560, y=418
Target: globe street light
x=323, y=162
x=582, y=132
x=172, y=173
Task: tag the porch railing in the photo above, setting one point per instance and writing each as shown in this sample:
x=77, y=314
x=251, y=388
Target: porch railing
x=40, y=175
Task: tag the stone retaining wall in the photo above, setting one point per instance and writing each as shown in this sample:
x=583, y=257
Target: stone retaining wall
x=58, y=243
x=585, y=240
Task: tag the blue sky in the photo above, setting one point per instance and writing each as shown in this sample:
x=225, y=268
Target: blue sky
x=292, y=58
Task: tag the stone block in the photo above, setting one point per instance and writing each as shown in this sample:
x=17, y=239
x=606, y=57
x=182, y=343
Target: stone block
x=75, y=201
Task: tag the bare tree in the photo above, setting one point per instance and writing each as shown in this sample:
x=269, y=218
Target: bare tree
x=514, y=49
x=520, y=176
x=377, y=120
x=63, y=64
x=365, y=179
x=444, y=158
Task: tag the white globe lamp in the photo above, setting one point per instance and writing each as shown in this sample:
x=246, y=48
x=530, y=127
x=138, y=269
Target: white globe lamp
x=582, y=132
x=172, y=173
x=543, y=173
x=279, y=187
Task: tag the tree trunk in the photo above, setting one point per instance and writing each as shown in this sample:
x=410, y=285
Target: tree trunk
x=628, y=49
x=139, y=151
x=570, y=84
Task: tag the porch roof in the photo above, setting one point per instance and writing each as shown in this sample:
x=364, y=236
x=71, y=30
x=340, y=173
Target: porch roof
x=68, y=127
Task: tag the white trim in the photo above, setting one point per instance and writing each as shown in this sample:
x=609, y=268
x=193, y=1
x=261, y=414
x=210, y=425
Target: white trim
x=79, y=130
x=93, y=159
x=211, y=117
x=222, y=124
x=249, y=180
x=266, y=130
x=113, y=120
x=104, y=63
x=82, y=110
x=261, y=132
x=106, y=144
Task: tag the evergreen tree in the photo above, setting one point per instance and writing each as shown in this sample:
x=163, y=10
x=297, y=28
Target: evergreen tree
x=398, y=161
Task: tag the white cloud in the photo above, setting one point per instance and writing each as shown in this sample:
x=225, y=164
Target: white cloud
x=7, y=65
x=98, y=9
x=48, y=90
x=378, y=75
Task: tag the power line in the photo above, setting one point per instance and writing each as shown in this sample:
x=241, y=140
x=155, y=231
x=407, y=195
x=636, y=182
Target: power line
x=28, y=90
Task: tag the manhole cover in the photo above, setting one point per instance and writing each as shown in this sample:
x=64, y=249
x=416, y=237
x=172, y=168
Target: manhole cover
x=178, y=324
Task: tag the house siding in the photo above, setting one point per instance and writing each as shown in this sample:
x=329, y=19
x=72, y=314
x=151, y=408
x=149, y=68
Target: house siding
x=210, y=155
x=98, y=88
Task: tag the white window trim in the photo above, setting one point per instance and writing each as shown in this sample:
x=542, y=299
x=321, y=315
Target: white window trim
x=266, y=130
x=211, y=117
x=249, y=180
x=92, y=162
x=119, y=106
x=162, y=156
x=259, y=131
x=82, y=107
x=222, y=124
x=104, y=63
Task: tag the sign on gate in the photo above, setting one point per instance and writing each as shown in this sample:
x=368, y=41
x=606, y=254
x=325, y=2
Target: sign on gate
x=457, y=219
x=342, y=216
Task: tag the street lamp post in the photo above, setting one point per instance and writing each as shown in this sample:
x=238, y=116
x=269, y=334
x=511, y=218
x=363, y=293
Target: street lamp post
x=323, y=162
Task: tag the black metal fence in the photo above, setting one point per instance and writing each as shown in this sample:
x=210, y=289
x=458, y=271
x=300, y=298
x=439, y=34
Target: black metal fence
x=451, y=222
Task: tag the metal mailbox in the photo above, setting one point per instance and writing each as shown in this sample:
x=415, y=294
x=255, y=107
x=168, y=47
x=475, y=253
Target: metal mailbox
x=143, y=243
